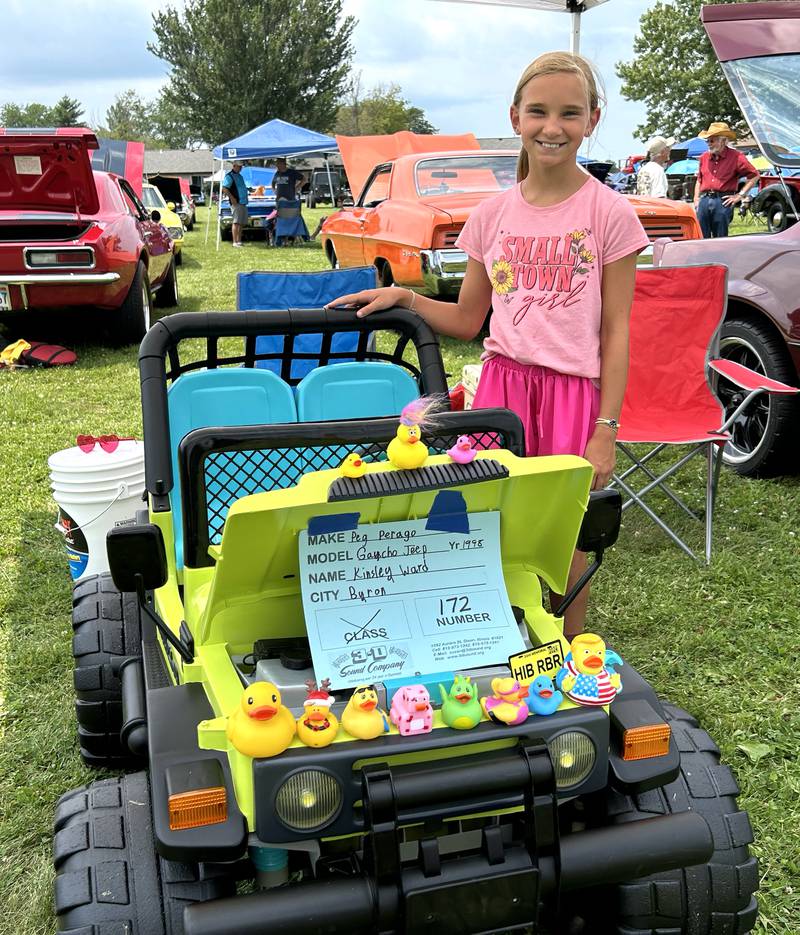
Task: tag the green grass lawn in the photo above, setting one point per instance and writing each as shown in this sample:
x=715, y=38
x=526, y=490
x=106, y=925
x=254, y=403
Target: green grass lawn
x=719, y=641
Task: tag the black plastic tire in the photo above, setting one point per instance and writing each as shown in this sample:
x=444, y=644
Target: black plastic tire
x=109, y=878
x=717, y=898
x=105, y=627
x=167, y=295
x=134, y=316
x=764, y=437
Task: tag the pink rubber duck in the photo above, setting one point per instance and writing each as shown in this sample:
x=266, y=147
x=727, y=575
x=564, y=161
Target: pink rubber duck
x=462, y=452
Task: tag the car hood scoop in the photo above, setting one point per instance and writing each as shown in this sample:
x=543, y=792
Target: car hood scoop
x=47, y=170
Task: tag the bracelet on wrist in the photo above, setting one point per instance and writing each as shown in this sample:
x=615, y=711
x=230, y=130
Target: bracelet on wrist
x=611, y=423
x=413, y=299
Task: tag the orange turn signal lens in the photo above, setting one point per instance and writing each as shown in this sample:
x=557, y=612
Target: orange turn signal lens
x=197, y=808
x=639, y=743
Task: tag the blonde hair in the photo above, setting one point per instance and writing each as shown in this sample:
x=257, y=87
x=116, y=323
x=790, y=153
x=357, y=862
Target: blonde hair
x=554, y=63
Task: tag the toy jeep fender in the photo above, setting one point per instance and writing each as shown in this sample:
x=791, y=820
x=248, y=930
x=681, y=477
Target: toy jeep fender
x=536, y=824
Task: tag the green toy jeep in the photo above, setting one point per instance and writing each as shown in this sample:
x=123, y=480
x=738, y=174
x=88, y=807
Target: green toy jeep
x=200, y=656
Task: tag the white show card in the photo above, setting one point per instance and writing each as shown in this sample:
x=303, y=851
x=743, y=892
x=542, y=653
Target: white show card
x=396, y=600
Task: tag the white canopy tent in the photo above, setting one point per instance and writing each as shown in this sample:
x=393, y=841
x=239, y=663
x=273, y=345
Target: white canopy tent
x=574, y=7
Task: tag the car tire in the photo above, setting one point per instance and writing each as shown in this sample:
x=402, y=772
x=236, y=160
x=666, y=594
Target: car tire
x=311, y=202
x=763, y=437
x=718, y=896
x=108, y=876
x=332, y=258
x=105, y=626
x=179, y=259
x=385, y=274
x=135, y=313
x=777, y=215
x=167, y=295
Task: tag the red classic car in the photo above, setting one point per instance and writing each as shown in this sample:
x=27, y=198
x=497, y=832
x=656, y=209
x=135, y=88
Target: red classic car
x=71, y=237
x=758, y=45
x=412, y=208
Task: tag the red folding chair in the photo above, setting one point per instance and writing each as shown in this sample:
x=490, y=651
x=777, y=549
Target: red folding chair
x=675, y=321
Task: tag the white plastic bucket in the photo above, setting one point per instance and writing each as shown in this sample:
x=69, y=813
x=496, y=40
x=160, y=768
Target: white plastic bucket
x=94, y=492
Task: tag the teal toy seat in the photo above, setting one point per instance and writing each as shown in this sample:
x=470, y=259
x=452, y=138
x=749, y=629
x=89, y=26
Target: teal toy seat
x=226, y=396
x=358, y=390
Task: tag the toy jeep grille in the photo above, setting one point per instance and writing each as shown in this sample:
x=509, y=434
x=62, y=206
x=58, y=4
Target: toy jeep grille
x=220, y=465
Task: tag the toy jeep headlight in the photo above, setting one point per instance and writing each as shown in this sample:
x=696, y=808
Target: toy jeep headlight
x=308, y=799
x=573, y=754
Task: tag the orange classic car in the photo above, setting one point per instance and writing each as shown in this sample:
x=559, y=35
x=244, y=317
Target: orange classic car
x=411, y=210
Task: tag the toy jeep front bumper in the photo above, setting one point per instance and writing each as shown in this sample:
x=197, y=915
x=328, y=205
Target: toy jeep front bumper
x=498, y=886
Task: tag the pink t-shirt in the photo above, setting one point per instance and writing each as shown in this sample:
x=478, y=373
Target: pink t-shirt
x=545, y=266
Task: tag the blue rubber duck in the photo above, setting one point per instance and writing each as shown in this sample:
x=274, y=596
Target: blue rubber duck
x=543, y=697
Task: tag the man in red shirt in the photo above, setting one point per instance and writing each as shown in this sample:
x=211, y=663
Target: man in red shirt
x=715, y=193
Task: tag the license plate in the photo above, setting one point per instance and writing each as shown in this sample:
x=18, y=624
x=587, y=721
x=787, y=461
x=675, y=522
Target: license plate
x=543, y=660
x=257, y=222
x=5, y=299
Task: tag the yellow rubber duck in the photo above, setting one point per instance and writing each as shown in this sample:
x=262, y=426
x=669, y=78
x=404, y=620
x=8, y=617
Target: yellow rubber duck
x=261, y=726
x=353, y=466
x=317, y=726
x=362, y=718
x=406, y=450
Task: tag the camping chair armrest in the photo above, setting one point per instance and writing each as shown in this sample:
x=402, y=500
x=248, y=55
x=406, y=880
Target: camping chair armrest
x=754, y=383
x=748, y=379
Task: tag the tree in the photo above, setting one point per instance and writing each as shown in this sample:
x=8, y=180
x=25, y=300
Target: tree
x=169, y=127
x=676, y=73
x=129, y=117
x=383, y=110
x=67, y=112
x=26, y=115
x=236, y=65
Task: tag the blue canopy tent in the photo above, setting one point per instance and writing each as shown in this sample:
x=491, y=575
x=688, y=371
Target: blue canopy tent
x=272, y=139
x=694, y=147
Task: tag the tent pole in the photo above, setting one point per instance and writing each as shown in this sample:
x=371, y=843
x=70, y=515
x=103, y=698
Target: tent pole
x=210, y=197
x=219, y=202
x=575, y=34
x=330, y=183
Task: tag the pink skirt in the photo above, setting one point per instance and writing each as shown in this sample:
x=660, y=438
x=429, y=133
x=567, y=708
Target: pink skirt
x=558, y=410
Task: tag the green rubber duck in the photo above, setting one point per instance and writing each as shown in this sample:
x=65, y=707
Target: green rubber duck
x=460, y=706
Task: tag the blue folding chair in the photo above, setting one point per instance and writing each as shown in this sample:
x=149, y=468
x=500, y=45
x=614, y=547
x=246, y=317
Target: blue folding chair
x=289, y=222
x=272, y=290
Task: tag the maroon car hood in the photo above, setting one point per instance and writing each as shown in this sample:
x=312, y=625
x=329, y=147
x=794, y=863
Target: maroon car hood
x=47, y=170
x=758, y=46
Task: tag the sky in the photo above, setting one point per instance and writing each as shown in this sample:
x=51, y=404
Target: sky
x=458, y=62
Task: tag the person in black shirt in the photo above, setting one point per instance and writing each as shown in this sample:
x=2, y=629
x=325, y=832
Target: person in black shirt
x=285, y=181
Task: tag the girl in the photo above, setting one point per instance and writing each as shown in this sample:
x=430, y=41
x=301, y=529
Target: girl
x=556, y=257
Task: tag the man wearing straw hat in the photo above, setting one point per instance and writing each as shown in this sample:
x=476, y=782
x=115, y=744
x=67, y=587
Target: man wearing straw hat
x=718, y=176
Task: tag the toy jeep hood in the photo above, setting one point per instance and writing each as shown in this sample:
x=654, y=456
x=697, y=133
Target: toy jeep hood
x=541, y=503
x=758, y=45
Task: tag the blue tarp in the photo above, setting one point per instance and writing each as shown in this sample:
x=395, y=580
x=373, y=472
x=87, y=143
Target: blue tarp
x=275, y=138
x=255, y=175
x=684, y=167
